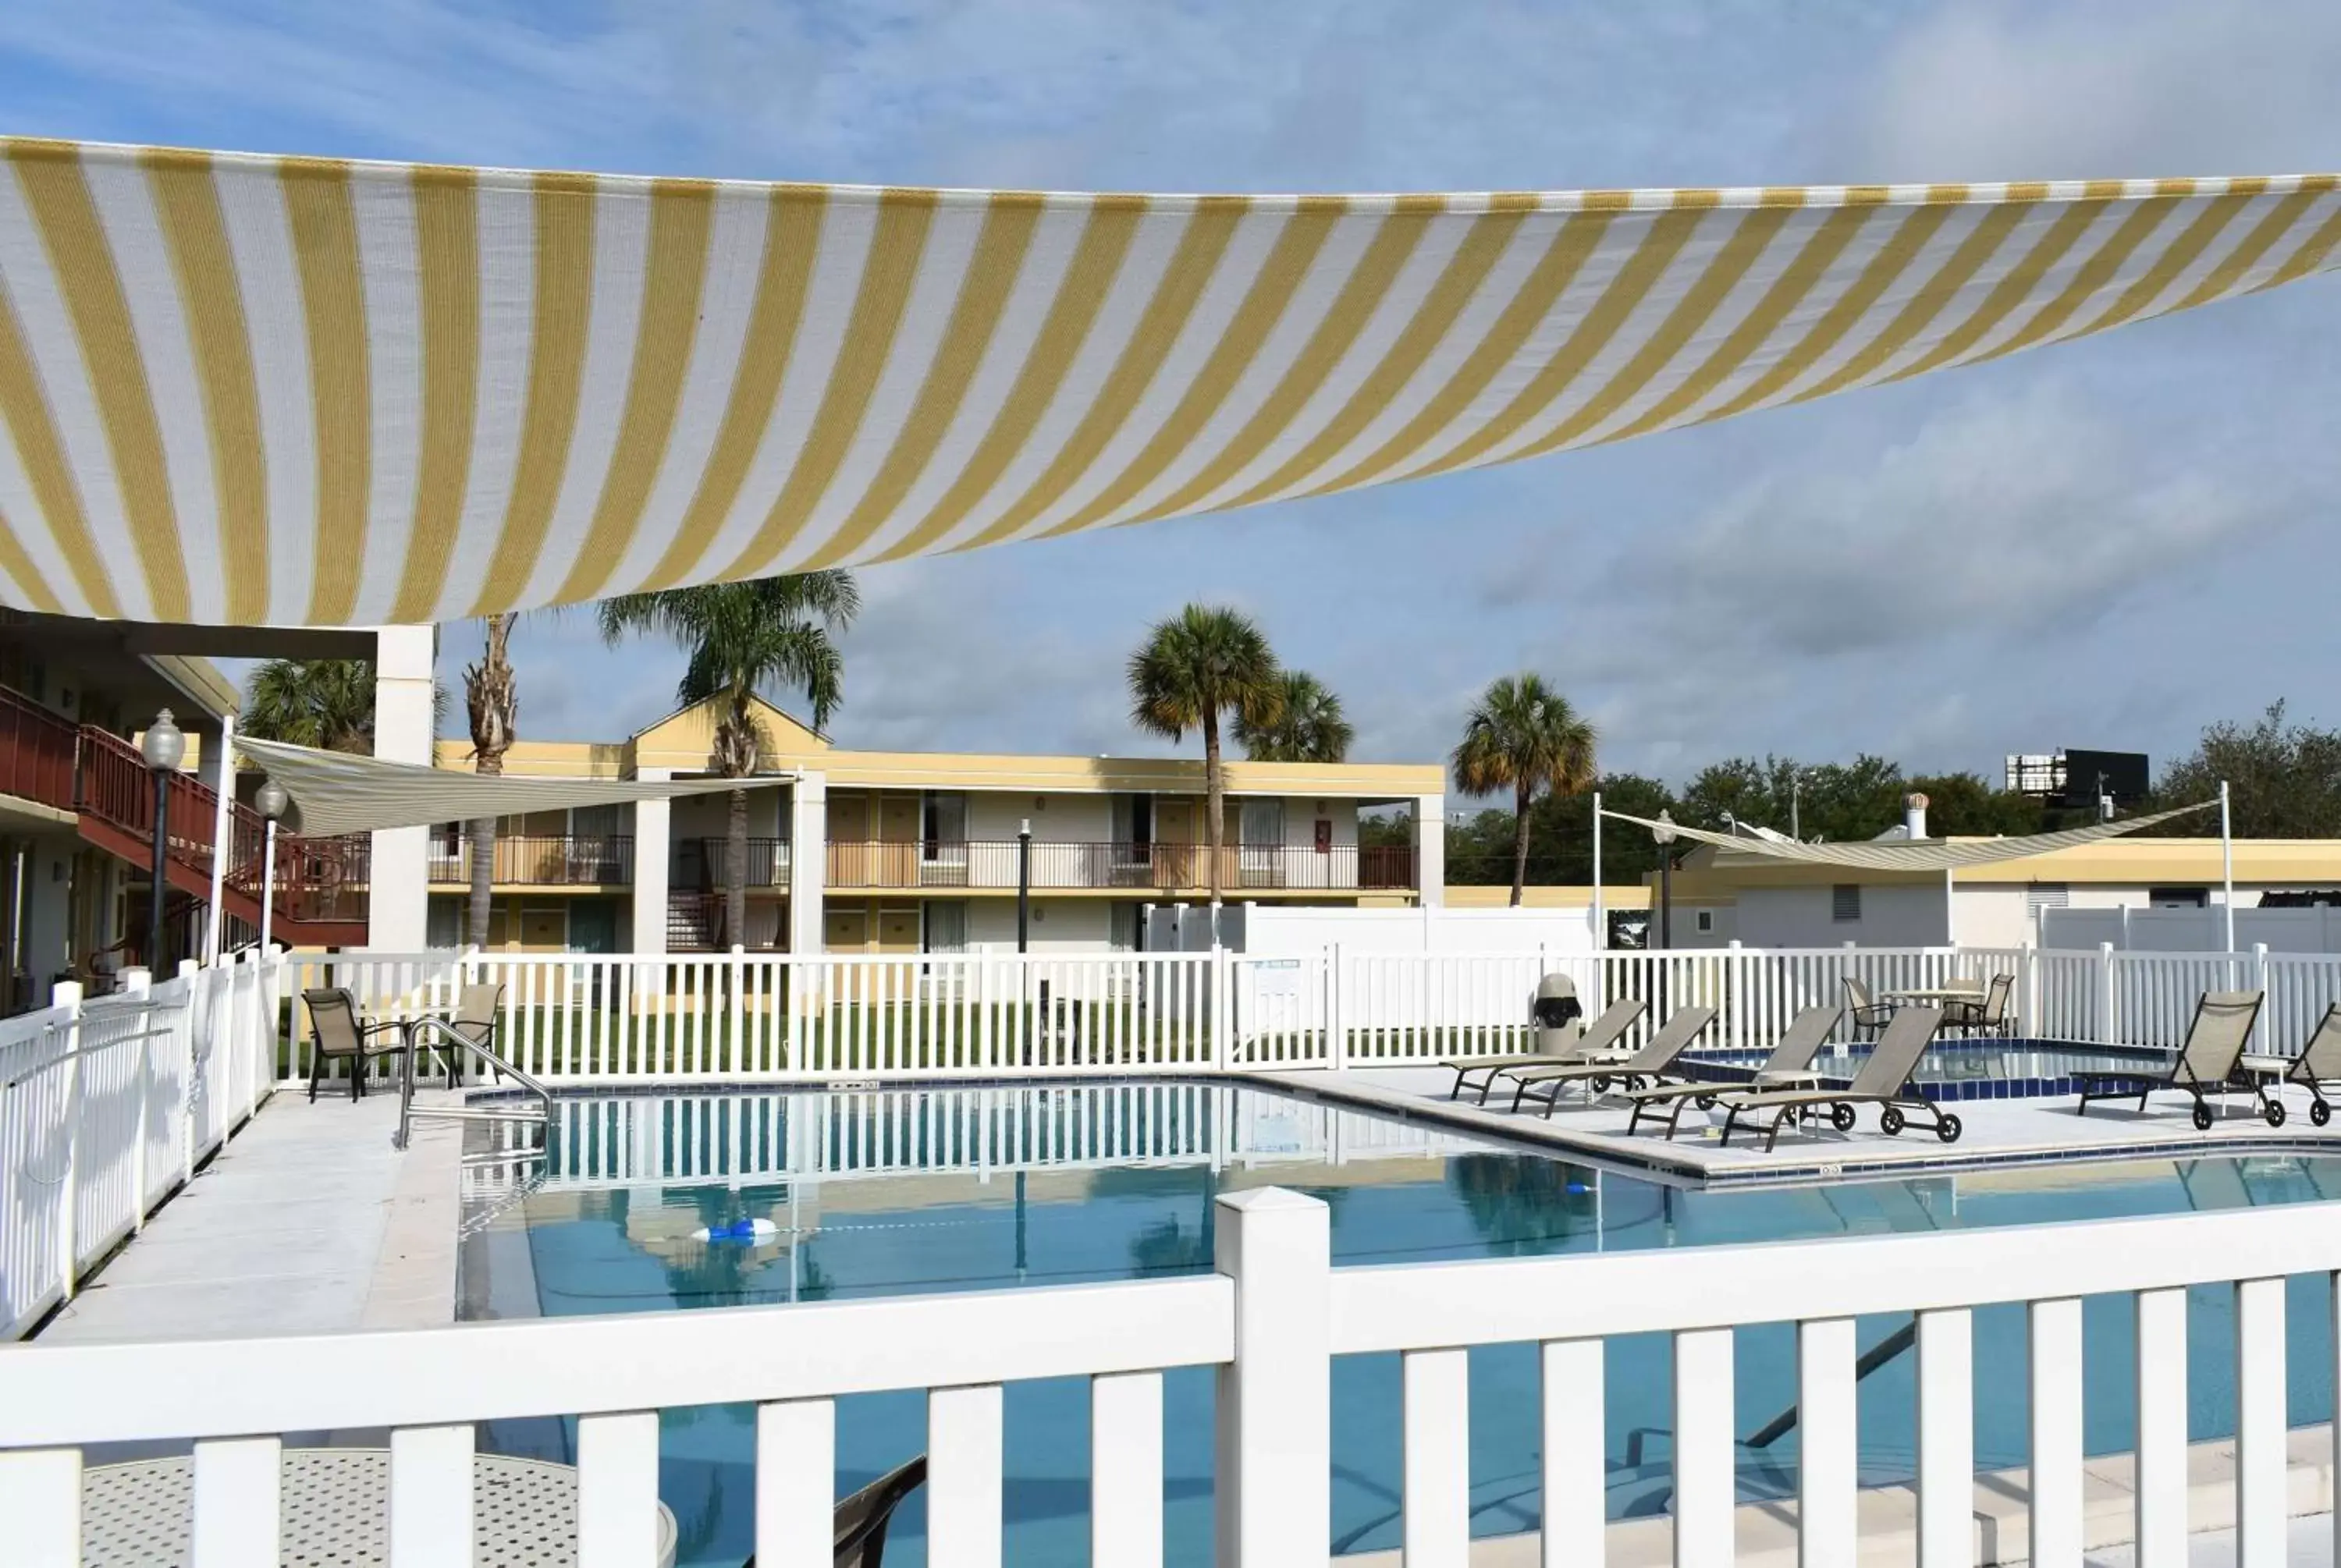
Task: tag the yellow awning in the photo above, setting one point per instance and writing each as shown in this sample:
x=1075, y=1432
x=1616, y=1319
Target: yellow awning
x=253, y=390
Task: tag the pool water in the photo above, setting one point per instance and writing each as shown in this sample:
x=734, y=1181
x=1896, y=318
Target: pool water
x=1975, y=1070
x=958, y=1190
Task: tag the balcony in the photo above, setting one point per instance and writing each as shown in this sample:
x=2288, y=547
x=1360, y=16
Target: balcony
x=699, y=865
x=524, y=859
x=991, y=865
x=36, y=752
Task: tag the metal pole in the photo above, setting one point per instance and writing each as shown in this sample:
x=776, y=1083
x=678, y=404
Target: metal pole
x=1024, y=883
x=221, y=822
x=267, y=882
x=1666, y=896
x=2227, y=865
x=162, y=848
x=1950, y=914
x=1600, y=910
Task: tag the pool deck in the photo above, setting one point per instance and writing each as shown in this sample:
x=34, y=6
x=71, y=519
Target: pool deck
x=308, y=1222
x=1997, y=1132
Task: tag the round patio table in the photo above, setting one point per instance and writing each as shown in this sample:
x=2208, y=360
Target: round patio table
x=337, y=1511
x=1937, y=994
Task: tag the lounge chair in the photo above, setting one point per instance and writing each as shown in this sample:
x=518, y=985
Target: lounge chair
x=1987, y=1015
x=1883, y=1080
x=335, y=1030
x=1598, y=1041
x=1870, y=1016
x=2207, y=1065
x=2316, y=1068
x=1801, y=1042
x=1644, y=1067
x=858, y=1526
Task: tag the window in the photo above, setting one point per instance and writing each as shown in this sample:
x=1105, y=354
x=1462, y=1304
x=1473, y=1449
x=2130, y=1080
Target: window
x=943, y=822
x=1845, y=901
x=946, y=926
x=2039, y=896
x=2178, y=897
x=1706, y=921
x=1133, y=822
x=1125, y=932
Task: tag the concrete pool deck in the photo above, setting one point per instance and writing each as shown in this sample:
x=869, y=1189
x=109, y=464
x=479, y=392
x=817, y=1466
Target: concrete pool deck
x=307, y=1222
x=1997, y=1132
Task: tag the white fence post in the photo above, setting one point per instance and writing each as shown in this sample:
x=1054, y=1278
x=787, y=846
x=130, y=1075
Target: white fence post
x=67, y=994
x=1222, y=1009
x=1273, y=1473
x=1733, y=1002
x=2106, y=995
x=2260, y=984
x=138, y=983
x=1336, y=1033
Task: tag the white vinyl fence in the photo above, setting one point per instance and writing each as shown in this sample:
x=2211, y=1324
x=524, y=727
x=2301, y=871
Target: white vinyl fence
x=1269, y=1320
x=826, y=1018
x=107, y=1106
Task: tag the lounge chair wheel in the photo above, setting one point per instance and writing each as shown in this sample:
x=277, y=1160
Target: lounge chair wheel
x=1890, y=1121
x=2202, y=1117
x=2319, y=1113
x=1707, y=1103
x=1948, y=1128
x=1841, y=1118
x=2274, y=1113
x=1601, y=1086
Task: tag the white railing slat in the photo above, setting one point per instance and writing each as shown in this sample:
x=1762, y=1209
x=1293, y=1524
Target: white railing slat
x=1437, y=1423
x=1829, y=1461
x=1706, y=1489
x=796, y=1482
x=431, y=1496
x=1576, y=1466
x=40, y=1499
x=617, y=1490
x=2057, y=1432
x=237, y=1502
x=1945, y=1438
x=2161, y=1479
x=1125, y=1470
x=964, y=1460
x=2261, y=1515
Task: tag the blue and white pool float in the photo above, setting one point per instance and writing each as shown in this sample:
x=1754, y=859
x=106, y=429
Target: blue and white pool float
x=747, y=1230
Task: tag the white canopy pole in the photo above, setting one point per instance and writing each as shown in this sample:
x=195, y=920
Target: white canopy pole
x=267, y=881
x=1600, y=914
x=225, y=774
x=1950, y=912
x=2227, y=865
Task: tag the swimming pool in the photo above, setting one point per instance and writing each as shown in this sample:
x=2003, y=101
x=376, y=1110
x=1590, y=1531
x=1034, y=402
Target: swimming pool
x=949, y=1190
x=1982, y=1069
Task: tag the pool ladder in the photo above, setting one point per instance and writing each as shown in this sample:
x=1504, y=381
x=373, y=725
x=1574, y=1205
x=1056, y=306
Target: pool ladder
x=408, y=1111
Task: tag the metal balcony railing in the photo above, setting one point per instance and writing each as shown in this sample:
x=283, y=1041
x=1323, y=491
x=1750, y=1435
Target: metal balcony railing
x=550, y=861
x=992, y=864
x=698, y=865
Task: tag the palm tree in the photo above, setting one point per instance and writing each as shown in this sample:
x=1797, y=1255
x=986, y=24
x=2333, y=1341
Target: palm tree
x=326, y=703
x=744, y=640
x=1523, y=734
x=494, y=703
x=1195, y=666
x=1310, y=729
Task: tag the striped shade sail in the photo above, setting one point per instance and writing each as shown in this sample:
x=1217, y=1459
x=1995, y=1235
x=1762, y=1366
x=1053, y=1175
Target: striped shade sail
x=275, y=390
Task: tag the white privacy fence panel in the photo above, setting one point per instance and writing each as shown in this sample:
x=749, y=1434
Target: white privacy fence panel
x=1269, y=1320
x=107, y=1106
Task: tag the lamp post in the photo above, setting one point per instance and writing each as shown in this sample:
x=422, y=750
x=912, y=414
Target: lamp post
x=272, y=801
x=1665, y=835
x=163, y=747
x=1023, y=882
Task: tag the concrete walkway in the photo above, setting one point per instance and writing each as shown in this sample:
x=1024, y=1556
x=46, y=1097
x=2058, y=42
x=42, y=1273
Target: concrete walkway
x=308, y=1222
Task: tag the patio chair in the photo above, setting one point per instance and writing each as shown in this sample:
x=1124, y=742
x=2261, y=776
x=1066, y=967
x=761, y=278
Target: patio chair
x=1644, y=1067
x=1801, y=1042
x=859, y=1523
x=476, y=1019
x=2315, y=1069
x=1883, y=1081
x=1597, y=1043
x=2207, y=1065
x=1987, y=1015
x=336, y=1031
x=1870, y=1016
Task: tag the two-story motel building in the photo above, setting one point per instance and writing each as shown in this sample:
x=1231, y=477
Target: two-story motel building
x=901, y=852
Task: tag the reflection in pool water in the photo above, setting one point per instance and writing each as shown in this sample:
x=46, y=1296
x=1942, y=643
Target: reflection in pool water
x=884, y=1193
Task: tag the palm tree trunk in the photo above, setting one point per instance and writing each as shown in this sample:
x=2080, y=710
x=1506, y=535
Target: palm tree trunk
x=1519, y=843
x=1214, y=810
x=481, y=833
x=494, y=707
x=735, y=871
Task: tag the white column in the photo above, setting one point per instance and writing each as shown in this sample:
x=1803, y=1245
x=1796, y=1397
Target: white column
x=1430, y=848
x=1274, y=1468
x=218, y=767
x=653, y=851
x=807, y=859
x=398, y=905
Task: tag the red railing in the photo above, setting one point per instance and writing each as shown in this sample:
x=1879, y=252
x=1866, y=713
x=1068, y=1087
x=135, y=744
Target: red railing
x=36, y=752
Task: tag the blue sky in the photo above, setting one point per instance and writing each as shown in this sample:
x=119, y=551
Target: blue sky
x=2105, y=544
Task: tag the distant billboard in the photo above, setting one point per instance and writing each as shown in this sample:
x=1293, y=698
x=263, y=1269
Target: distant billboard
x=2078, y=779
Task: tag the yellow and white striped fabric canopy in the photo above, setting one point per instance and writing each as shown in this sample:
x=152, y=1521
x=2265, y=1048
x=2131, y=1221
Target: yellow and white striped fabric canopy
x=273, y=391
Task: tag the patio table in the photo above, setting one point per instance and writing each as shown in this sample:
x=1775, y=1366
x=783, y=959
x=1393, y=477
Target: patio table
x=336, y=1509
x=1935, y=994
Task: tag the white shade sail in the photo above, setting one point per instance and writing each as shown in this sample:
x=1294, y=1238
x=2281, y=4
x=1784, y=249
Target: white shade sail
x=335, y=792
x=254, y=390
x=1915, y=855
